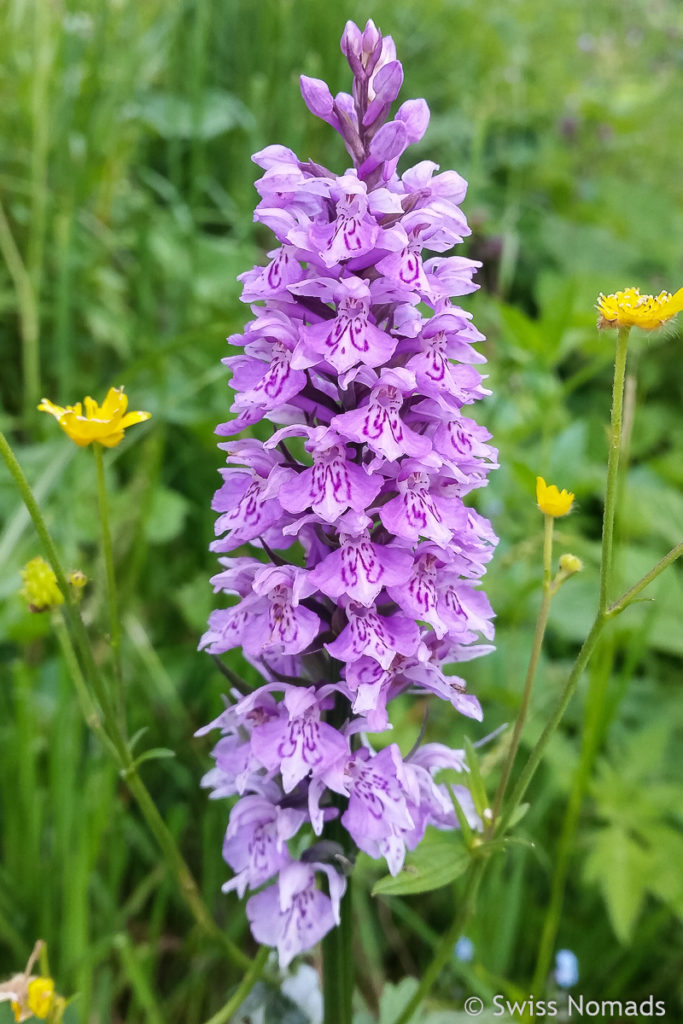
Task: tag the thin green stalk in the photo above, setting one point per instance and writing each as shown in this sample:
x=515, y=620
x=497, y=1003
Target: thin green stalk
x=594, y=704
x=537, y=645
x=71, y=611
x=243, y=989
x=176, y=862
x=613, y=469
x=606, y=560
x=155, y=822
x=139, y=982
x=538, y=751
x=337, y=948
x=553, y=914
x=28, y=314
x=90, y=711
x=627, y=598
x=472, y=881
x=112, y=598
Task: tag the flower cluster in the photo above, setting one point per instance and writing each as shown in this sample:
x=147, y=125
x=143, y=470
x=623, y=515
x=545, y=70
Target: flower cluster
x=364, y=579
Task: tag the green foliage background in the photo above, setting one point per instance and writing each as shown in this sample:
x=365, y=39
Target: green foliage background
x=127, y=199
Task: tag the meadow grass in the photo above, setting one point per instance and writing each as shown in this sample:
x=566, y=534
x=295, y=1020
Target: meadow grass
x=126, y=212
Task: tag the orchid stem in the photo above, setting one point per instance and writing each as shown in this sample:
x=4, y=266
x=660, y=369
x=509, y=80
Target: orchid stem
x=337, y=947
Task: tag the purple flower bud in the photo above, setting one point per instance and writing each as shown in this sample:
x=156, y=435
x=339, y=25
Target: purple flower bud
x=386, y=85
x=414, y=114
x=352, y=46
x=372, y=38
x=318, y=98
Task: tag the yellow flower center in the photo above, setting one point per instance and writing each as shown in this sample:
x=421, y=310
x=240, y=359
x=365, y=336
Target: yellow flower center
x=631, y=309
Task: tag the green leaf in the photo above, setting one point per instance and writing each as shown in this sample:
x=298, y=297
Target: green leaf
x=176, y=117
x=394, y=999
x=136, y=737
x=620, y=866
x=461, y=816
x=438, y=860
x=154, y=754
x=665, y=880
x=166, y=517
x=476, y=782
x=517, y=815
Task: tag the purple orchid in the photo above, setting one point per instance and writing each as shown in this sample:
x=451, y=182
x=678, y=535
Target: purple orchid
x=363, y=579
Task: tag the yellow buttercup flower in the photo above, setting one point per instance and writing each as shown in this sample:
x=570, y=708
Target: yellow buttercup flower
x=40, y=588
x=102, y=423
x=631, y=309
x=551, y=501
x=39, y=997
x=30, y=996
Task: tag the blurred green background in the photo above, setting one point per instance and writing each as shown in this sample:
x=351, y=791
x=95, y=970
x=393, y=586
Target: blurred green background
x=127, y=199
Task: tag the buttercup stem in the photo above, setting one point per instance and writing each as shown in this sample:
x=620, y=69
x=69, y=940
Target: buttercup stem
x=71, y=611
x=613, y=468
x=537, y=645
x=631, y=594
x=112, y=598
x=594, y=704
x=603, y=615
x=116, y=743
x=90, y=711
x=444, y=951
x=243, y=989
x=551, y=924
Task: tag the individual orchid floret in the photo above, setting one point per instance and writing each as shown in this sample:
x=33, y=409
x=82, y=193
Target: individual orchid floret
x=293, y=914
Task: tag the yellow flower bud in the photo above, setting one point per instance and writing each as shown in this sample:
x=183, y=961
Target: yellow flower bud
x=570, y=564
x=77, y=579
x=40, y=588
x=551, y=501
